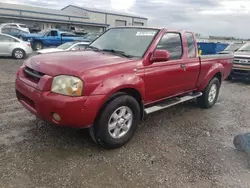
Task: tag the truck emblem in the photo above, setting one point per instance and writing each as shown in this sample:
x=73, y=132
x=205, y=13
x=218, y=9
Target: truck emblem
x=243, y=61
x=37, y=63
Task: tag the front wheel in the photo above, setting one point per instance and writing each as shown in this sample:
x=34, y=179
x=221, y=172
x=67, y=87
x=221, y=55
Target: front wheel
x=117, y=122
x=210, y=95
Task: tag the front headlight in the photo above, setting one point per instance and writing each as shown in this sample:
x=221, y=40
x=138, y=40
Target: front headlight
x=67, y=85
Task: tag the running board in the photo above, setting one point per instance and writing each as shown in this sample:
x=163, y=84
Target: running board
x=171, y=102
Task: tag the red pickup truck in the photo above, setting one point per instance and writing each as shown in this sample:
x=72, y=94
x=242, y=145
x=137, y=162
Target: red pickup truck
x=124, y=74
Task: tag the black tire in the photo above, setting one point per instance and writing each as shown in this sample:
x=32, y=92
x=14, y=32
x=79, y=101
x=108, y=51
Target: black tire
x=229, y=78
x=203, y=101
x=237, y=143
x=100, y=130
x=38, y=46
x=18, y=53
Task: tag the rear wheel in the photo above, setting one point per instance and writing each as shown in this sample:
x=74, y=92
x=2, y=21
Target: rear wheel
x=38, y=46
x=117, y=122
x=18, y=54
x=210, y=95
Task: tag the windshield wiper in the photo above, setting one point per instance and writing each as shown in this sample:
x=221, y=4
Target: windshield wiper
x=117, y=52
x=93, y=48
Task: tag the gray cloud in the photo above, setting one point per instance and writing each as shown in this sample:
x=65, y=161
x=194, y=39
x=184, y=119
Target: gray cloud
x=194, y=15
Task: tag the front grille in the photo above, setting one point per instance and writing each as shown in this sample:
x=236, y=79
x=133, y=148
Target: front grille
x=241, y=71
x=242, y=60
x=32, y=75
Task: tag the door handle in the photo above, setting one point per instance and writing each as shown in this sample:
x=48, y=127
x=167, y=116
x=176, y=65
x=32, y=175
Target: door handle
x=183, y=66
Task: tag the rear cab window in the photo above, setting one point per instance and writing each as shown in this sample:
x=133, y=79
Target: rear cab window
x=190, y=45
x=172, y=42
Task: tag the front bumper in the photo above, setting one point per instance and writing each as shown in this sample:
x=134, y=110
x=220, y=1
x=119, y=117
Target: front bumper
x=79, y=112
x=240, y=71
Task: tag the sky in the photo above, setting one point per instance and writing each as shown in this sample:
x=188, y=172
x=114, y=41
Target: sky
x=208, y=17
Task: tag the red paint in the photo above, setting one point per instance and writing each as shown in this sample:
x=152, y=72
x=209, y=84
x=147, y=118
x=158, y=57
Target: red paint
x=104, y=74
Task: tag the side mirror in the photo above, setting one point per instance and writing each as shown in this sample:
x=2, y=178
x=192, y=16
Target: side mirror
x=159, y=56
x=73, y=49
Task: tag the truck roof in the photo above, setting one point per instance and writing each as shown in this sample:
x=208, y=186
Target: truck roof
x=159, y=28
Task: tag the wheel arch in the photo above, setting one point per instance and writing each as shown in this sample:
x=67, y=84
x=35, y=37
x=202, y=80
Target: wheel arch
x=211, y=74
x=119, y=92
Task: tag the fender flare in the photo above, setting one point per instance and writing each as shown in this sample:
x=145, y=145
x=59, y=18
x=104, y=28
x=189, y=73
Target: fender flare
x=117, y=83
x=216, y=69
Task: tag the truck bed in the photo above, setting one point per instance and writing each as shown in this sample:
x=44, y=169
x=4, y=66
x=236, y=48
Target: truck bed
x=217, y=56
x=223, y=61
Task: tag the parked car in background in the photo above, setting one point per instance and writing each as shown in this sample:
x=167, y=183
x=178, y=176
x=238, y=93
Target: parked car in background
x=15, y=32
x=91, y=36
x=20, y=26
x=241, y=66
x=68, y=46
x=12, y=46
x=50, y=37
x=35, y=29
x=231, y=48
x=124, y=74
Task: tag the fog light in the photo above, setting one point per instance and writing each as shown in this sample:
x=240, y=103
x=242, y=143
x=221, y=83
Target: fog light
x=56, y=117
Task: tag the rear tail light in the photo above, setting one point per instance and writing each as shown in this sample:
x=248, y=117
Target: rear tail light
x=28, y=44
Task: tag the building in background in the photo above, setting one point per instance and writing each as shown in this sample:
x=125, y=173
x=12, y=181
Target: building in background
x=70, y=17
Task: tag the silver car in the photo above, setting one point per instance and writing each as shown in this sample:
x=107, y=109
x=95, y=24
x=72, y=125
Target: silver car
x=68, y=46
x=20, y=26
x=12, y=46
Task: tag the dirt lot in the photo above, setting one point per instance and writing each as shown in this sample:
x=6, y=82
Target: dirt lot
x=183, y=146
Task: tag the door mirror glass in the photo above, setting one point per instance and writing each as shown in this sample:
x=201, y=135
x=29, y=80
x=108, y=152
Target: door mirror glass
x=159, y=56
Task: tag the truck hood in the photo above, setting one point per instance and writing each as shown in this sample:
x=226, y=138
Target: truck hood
x=72, y=63
x=242, y=54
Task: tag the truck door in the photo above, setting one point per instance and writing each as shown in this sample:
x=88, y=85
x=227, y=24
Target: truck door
x=165, y=79
x=52, y=39
x=191, y=63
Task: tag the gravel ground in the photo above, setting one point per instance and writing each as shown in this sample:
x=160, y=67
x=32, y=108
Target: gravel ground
x=183, y=146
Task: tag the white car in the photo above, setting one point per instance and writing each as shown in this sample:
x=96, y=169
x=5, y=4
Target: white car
x=12, y=46
x=20, y=26
x=68, y=46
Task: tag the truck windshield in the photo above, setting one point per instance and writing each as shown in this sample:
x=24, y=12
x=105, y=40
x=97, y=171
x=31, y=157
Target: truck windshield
x=132, y=42
x=245, y=48
x=43, y=32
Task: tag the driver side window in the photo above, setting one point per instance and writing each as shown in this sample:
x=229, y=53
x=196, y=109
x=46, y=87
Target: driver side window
x=173, y=44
